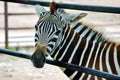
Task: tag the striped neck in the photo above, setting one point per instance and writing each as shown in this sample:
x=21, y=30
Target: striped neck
x=72, y=38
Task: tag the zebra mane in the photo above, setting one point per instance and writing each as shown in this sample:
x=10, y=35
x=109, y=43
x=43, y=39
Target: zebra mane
x=88, y=31
x=80, y=27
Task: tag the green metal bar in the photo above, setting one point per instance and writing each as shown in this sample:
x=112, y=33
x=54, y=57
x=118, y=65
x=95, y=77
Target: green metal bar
x=108, y=9
x=65, y=65
x=6, y=24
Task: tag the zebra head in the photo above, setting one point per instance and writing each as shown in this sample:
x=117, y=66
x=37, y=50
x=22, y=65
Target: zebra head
x=49, y=31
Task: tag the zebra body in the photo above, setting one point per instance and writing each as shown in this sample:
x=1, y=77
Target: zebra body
x=75, y=44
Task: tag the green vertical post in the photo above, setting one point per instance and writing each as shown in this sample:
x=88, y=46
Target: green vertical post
x=6, y=23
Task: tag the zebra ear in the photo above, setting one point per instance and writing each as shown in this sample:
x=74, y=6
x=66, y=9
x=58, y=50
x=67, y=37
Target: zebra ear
x=39, y=9
x=72, y=17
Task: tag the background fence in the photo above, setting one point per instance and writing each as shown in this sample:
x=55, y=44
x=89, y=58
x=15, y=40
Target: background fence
x=12, y=28
x=19, y=39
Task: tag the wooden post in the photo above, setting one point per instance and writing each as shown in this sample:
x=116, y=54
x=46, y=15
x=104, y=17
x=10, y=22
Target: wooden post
x=6, y=23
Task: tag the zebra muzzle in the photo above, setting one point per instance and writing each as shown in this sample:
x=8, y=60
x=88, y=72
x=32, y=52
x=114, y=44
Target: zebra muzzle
x=38, y=59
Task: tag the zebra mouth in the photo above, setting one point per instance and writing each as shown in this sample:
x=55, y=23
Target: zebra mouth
x=38, y=59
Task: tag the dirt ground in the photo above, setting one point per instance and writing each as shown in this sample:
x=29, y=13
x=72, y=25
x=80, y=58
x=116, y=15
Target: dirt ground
x=13, y=68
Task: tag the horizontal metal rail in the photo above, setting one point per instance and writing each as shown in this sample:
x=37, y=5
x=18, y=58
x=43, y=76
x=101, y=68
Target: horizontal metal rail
x=65, y=65
x=18, y=14
x=17, y=42
x=16, y=37
x=108, y=9
x=19, y=28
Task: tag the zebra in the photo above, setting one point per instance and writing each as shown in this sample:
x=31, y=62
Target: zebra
x=63, y=41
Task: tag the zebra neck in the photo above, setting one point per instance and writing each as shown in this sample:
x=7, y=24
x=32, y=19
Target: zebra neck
x=73, y=43
x=83, y=52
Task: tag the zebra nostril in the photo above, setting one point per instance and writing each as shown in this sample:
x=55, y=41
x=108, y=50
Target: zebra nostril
x=38, y=59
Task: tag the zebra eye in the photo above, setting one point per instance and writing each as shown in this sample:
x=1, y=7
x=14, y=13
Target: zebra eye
x=58, y=31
